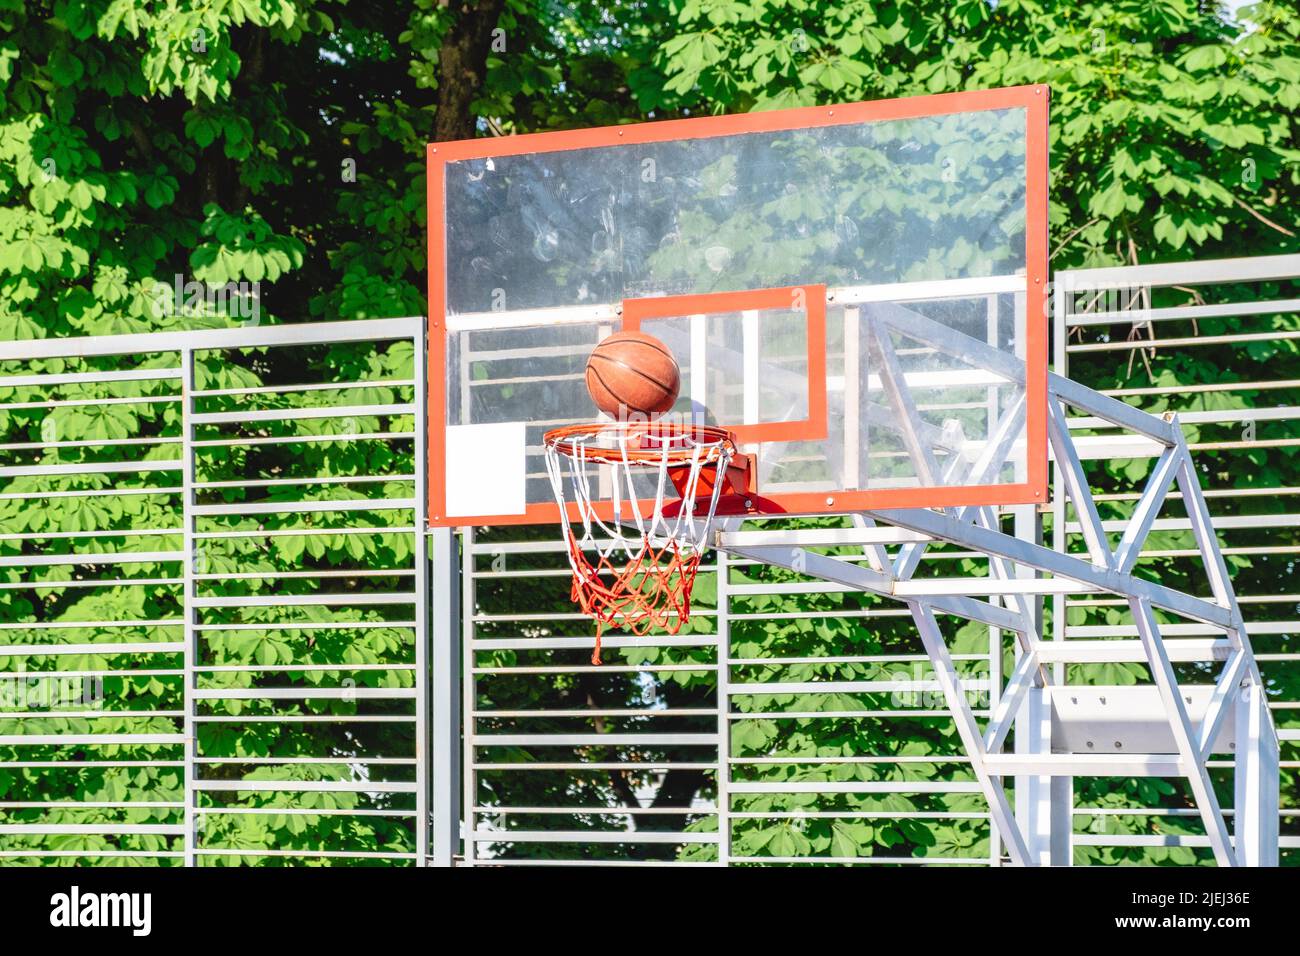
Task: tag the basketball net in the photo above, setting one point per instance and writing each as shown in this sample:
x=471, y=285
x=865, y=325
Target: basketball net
x=636, y=571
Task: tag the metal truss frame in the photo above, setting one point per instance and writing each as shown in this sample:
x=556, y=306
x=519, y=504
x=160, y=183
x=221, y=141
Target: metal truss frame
x=1020, y=573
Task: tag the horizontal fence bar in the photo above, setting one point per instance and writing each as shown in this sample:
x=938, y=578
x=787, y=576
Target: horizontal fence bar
x=304, y=786
x=304, y=693
x=243, y=337
x=1140, y=315
x=101, y=650
x=1193, y=273
x=594, y=836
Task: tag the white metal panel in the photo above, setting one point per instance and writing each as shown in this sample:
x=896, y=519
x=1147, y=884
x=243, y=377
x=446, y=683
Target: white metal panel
x=122, y=554
x=1257, y=288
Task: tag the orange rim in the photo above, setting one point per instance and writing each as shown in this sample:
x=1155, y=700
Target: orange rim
x=717, y=439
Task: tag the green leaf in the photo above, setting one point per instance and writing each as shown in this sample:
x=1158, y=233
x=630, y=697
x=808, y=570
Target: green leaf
x=1109, y=203
x=843, y=843
x=65, y=68
x=1207, y=57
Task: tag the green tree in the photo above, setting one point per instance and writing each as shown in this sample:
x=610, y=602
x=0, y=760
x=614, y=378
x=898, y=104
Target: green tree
x=150, y=144
x=1173, y=130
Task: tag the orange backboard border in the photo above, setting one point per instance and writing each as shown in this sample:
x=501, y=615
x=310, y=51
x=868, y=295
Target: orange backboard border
x=1033, y=99
x=812, y=428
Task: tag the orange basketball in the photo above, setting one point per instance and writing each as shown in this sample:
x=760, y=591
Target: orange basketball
x=632, y=372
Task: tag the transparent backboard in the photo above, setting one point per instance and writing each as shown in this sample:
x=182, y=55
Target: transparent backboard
x=858, y=292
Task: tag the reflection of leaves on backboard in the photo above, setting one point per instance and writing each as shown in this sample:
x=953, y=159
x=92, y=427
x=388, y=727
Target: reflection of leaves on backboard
x=939, y=197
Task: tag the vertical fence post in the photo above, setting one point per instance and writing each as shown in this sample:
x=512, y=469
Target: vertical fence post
x=187, y=604
x=425, y=757
x=444, y=601
x=724, y=708
x=469, y=689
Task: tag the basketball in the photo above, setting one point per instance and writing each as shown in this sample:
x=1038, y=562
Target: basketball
x=632, y=372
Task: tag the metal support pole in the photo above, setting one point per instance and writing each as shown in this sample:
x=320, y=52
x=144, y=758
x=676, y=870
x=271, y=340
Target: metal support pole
x=1044, y=804
x=1033, y=794
x=188, y=595
x=444, y=680
x=1256, y=781
x=469, y=690
x=995, y=696
x=724, y=708
x=1061, y=851
x=422, y=608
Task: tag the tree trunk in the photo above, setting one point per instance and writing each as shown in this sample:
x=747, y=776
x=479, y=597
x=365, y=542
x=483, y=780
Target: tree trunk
x=462, y=65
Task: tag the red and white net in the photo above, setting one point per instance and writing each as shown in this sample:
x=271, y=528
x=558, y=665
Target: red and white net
x=631, y=570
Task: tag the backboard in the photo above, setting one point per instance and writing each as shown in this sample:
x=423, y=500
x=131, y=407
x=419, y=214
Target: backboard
x=858, y=292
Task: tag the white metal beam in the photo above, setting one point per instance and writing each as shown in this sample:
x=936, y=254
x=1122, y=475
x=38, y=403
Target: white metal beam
x=1022, y=678
x=1180, y=723
x=1053, y=562
x=1076, y=485
x=1255, y=821
x=946, y=673
x=1148, y=507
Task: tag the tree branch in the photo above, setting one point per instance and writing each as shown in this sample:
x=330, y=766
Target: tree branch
x=1066, y=241
x=1264, y=219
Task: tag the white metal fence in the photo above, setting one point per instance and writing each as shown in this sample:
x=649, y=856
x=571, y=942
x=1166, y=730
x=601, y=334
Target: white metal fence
x=219, y=591
x=1208, y=340
x=213, y=539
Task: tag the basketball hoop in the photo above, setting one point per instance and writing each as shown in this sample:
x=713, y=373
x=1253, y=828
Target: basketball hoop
x=636, y=571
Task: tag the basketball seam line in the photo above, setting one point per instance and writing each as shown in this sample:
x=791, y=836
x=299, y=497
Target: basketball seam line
x=656, y=345
x=609, y=391
x=627, y=368
x=603, y=383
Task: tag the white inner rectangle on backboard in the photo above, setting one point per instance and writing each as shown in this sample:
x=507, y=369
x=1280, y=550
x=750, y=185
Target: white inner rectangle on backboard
x=486, y=469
